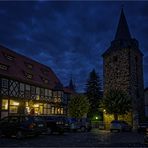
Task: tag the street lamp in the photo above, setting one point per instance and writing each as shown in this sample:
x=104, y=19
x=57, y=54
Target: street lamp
x=96, y=118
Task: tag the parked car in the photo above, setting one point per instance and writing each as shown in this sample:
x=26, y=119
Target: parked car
x=120, y=125
x=82, y=124
x=22, y=126
x=146, y=137
x=142, y=127
x=54, y=124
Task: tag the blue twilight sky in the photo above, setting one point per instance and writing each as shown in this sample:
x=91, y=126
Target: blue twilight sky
x=70, y=36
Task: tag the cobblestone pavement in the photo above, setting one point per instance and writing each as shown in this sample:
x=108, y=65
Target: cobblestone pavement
x=95, y=138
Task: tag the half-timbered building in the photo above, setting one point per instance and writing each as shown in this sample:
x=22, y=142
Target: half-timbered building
x=25, y=81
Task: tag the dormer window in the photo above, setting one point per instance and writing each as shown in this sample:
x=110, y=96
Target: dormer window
x=46, y=81
x=45, y=71
x=28, y=75
x=28, y=65
x=3, y=67
x=9, y=57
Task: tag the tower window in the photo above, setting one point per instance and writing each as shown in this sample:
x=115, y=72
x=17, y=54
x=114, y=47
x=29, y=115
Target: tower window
x=115, y=59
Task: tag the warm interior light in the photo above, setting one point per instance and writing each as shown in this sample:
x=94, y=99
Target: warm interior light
x=37, y=97
x=96, y=118
x=36, y=105
x=16, y=103
x=6, y=106
x=28, y=110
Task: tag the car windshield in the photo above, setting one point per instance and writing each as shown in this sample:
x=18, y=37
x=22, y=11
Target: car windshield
x=37, y=118
x=115, y=121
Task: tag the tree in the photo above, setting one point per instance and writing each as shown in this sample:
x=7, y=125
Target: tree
x=78, y=106
x=93, y=93
x=116, y=102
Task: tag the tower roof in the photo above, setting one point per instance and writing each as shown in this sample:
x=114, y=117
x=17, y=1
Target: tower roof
x=122, y=30
x=71, y=85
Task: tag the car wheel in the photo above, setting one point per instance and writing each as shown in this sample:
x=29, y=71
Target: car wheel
x=61, y=132
x=83, y=129
x=19, y=135
x=49, y=131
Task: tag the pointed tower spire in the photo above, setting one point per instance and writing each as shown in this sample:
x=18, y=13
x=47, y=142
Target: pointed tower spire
x=71, y=84
x=122, y=30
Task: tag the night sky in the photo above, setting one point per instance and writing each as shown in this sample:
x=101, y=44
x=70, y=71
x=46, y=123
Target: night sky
x=70, y=36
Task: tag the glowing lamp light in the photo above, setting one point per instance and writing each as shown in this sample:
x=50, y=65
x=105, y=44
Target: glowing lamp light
x=36, y=105
x=96, y=118
x=104, y=110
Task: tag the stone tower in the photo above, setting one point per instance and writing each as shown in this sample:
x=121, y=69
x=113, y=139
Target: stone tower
x=123, y=68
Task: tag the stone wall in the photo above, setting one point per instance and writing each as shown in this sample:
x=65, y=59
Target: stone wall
x=116, y=71
x=123, y=69
x=136, y=84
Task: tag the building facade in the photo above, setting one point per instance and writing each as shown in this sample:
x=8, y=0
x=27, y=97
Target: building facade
x=25, y=81
x=123, y=68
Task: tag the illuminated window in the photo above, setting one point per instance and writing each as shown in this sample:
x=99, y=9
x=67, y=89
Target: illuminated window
x=47, y=109
x=12, y=102
x=4, y=104
x=13, y=109
x=3, y=67
x=52, y=110
x=62, y=110
x=56, y=111
x=41, y=108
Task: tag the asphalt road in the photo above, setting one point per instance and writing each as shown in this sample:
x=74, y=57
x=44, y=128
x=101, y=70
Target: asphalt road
x=95, y=138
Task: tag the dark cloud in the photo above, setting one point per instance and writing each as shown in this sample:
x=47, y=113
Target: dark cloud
x=70, y=36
